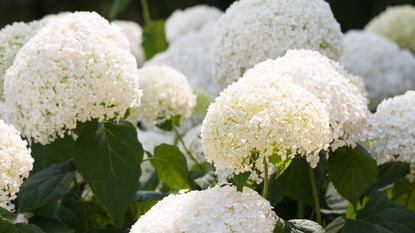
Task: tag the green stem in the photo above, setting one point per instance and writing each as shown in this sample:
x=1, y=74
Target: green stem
x=188, y=152
x=411, y=191
x=265, y=190
x=300, y=210
x=315, y=194
x=146, y=12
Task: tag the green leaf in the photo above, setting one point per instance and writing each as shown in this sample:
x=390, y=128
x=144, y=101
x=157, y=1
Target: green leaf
x=352, y=172
x=71, y=211
x=7, y=214
x=8, y=227
x=202, y=103
x=280, y=164
x=154, y=40
x=401, y=191
x=391, y=172
x=240, y=180
x=50, y=226
x=171, y=166
x=48, y=185
x=297, y=226
x=295, y=181
x=170, y=123
x=381, y=215
x=58, y=151
x=109, y=157
x=117, y=7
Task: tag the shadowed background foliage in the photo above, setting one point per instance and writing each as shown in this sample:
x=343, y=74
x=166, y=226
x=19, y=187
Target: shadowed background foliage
x=350, y=13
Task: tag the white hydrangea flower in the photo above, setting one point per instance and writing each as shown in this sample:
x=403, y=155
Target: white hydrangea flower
x=329, y=82
x=259, y=116
x=386, y=69
x=217, y=209
x=12, y=38
x=252, y=31
x=192, y=55
x=15, y=163
x=133, y=32
x=75, y=69
x=397, y=24
x=166, y=93
x=192, y=19
x=390, y=132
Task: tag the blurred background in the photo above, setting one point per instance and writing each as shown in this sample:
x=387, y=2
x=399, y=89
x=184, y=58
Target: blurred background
x=349, y=13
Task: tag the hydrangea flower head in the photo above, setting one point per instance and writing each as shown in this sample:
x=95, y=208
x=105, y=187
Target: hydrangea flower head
x=390, y=131
x=217, y=209
x=75, y=69
x=252, y=31
x=15, y=163
x=192, y=19
x=397, y=24
x=166, y=93
x=259, y=116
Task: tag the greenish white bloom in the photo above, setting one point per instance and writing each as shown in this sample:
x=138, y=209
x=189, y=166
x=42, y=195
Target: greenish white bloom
x=397, y=24
x=77, y=68
x=390, y=131
x=133, y=32
x=15, y=163
x=386, y=69
x=166, y=93
x=192, y=19
x=217, y=209
x=259, y=116
x=252, y=31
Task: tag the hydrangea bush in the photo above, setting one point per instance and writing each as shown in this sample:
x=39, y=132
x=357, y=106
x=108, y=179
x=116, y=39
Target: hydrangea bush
x=98, y=136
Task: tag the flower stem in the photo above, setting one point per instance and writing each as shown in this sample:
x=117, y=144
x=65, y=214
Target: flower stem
x=146, y=12
x=188, y=152
x=300, y=210
x=315, y=194
x=265, y=190
x=411, y=191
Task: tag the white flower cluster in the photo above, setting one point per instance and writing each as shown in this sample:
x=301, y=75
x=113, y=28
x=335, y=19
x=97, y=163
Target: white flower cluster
x=390, y=132
x=327, y=80
x=252, y=31
x=75, y=69
x=259, y=116
x=133, y=32
x=192, y=19
x=15, y=163
x=296, y=104
x=166, y=93
x=397, y=24
x=217, y=209
x=12, y=38
x=192, y=55
x=386, y=69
